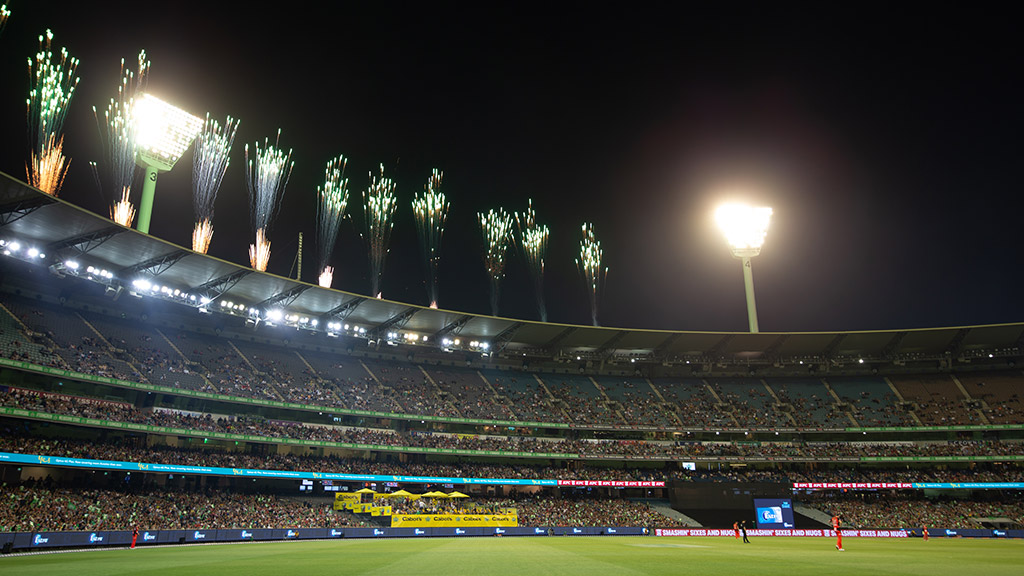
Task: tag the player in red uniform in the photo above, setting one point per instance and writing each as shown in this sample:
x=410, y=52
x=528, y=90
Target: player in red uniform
x=924, y=533
x=837, y=526
x=736, y=529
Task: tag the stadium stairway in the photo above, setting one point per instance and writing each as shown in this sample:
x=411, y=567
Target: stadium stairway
x=812, y=513
x=664, y=508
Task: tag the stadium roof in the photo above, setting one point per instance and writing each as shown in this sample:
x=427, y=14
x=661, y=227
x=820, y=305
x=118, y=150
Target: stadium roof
x=62, y=231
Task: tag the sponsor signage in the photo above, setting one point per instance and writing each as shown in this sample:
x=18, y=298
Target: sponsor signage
x=614, y=483
x=453, y=520
x=851, y=485
x=9, y=457
x=782, y=533
x=774, y=513
x=908, y=485
x=30, y=540
x=236, y=534
x=972, y=485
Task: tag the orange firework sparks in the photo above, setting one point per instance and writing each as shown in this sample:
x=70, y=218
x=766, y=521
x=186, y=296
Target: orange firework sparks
x=259, y=253
x=201, y=236
x=123, y=212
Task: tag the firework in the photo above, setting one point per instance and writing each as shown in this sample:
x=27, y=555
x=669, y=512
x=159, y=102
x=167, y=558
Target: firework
x=49, y=167
x=431, y=210
x=267, y=178
x=533, y=241
x=589, y=264
x=53, y=86
x=123, y=212
x=379, y=203
x=332, y=201
x=209, y=163
x=497, y=231
x=4, y=15
x=202, y=233
x=118, y=134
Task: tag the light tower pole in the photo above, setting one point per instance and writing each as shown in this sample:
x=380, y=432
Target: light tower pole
x=164, y=133
x=745, y=228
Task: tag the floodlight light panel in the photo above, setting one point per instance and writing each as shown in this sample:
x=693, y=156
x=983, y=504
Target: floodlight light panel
x=164, y=131
x=744, y=226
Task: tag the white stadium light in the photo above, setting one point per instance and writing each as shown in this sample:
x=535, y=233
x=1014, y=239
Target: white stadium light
x=164, y=132
x=745, y=228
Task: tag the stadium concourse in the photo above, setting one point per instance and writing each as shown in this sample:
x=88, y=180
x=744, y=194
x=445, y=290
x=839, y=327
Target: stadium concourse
x=146, y=386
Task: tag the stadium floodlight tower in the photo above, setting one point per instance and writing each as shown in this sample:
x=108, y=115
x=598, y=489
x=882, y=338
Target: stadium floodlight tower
x=163, y=134
x=745, y=228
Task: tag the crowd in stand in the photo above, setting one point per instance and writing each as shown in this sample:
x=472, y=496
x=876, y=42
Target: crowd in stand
x=544, y=511
x=871, y=510
x=945, y=412
x=28, y=508
x=530, y=400
x=409, y=505
x=582, y=408
x=207, y=455
x=37, y=508
x=210, y=364
x=700, y=409
x=119, y=412
x=43, y=506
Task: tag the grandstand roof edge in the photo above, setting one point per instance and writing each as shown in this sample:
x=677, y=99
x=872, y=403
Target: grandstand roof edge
x=59, y=220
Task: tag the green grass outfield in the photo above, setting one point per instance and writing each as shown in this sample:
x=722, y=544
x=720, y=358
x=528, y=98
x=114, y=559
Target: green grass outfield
x=584, y=556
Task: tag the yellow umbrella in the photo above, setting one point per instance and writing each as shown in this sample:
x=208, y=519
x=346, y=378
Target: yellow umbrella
x=400, y=493
x=458, y=494
x=365, y=491
x=435, y=494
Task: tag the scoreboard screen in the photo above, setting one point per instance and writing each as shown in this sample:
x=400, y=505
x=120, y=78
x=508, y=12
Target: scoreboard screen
x=774, y=513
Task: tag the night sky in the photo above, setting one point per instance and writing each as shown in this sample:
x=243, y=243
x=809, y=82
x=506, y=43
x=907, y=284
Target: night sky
x=887, y=140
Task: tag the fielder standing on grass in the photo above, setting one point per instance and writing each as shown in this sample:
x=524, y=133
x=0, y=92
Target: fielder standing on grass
x=836, y=526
